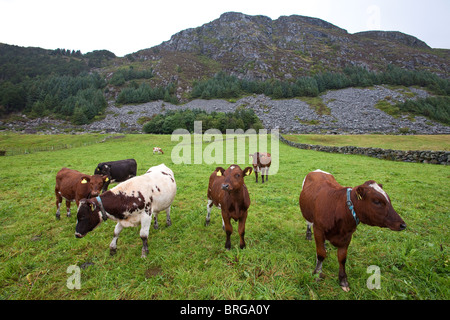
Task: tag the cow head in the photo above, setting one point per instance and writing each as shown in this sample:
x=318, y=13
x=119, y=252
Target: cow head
x=233, y=177
x=88, y=217
x=373, y=207
x=103, y=169
x=93, y=184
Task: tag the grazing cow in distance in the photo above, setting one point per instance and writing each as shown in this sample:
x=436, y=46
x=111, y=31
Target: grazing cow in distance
x=261, y=163
x=227, y=191
x=130, y=203
x=335, y=211
x=157, y=150
x=73, y=185
x=117, y=171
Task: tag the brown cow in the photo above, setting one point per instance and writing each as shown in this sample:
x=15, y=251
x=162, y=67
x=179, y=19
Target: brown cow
x=335, y=211
x=73, y=185
x=227, y=191
x=261, y=163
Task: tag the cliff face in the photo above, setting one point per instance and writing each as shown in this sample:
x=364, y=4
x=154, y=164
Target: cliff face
x=258, y=47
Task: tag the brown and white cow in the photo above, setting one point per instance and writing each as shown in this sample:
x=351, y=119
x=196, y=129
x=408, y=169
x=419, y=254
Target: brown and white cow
x=157, y=150
x=335, y=211
x=261, y=163
x=227, y=191
x=130, y=203
x=73, y=185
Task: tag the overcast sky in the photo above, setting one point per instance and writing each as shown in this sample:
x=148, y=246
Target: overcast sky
x=126, y=26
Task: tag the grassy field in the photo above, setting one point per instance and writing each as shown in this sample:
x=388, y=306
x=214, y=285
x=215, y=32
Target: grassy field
x=395, y=142
x=188, y=260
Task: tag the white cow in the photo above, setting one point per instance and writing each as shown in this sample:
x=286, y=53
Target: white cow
x=130, y=203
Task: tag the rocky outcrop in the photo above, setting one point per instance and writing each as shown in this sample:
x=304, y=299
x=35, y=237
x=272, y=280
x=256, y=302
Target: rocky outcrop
x=351, y=111
x=259, y=48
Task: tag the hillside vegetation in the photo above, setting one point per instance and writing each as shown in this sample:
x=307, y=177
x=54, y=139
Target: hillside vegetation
x=234, y=55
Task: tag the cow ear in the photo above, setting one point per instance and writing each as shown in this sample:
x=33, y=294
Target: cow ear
x=85, y=179
x=360, y=192
x=105, y=178
x=248, y=171
x=220, y=171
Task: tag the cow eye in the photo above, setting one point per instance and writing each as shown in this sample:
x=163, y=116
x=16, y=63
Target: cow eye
x=237, y=175
x=377, y=202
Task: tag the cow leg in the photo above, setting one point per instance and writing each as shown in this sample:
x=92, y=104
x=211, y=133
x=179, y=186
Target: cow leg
x=208, y=212
x=308, y=230
x=241, y=230
x=146, y=220
x=319, y=237
x=168, y=221
x=256, y=174
x=68, y=208
x=342, y=257
x=155, y=218
x=228, y=231
x=113, y=244
x=58, y=204
x=267, y=174
x=262, y=174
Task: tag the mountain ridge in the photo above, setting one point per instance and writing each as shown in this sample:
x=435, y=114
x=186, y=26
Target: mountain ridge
x=259, y=48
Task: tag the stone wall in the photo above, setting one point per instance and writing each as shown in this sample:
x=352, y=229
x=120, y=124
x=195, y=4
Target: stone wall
x=433, y=157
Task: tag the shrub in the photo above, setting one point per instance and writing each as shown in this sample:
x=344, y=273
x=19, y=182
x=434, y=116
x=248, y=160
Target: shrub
x=184, y=119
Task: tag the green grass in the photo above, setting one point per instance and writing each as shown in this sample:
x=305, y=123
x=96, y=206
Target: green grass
x=395, y=142
x=189, y=261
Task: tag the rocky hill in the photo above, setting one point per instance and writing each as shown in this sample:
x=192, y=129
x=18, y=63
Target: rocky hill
x=248, y=47
x=257, y=47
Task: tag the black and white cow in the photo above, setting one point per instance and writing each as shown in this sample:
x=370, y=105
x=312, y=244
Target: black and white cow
x=116, y=171
x=130, y=203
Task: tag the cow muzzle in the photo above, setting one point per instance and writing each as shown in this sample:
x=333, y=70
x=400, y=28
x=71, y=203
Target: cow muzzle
x=78, y=235
x=225, y=187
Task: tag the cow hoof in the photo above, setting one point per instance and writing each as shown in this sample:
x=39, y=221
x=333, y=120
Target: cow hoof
x=320, y=277
x=346, y=289
x=58, y=217
x=169, y=223
x=144, y=254
x=206, y=223
x=112, y=252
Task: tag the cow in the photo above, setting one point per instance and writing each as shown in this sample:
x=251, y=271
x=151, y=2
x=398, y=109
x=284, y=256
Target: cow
x=117, y=171
x=157, y=150
x=227, y=190
x=165, y=171
x=335, y=211
x=73, y=185
x=261, y=163
x=130, y=203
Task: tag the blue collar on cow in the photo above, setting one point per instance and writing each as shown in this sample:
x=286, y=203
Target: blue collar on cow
x=350, y=206
x=104, y=216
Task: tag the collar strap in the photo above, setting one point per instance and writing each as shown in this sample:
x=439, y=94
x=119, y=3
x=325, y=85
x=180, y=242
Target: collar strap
x=102, y=209
x=350, y=206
